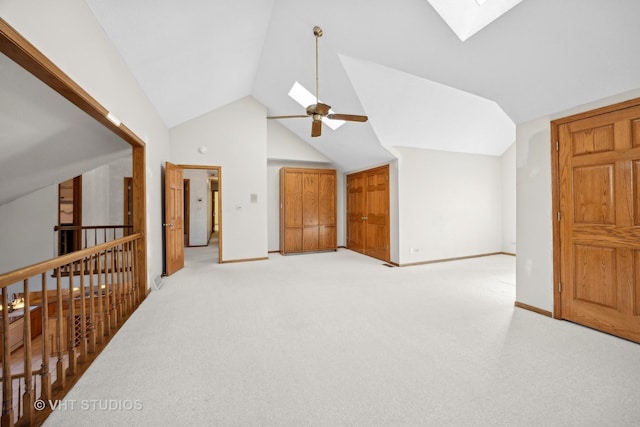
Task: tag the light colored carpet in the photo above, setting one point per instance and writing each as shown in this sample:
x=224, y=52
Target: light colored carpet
x=337, y=339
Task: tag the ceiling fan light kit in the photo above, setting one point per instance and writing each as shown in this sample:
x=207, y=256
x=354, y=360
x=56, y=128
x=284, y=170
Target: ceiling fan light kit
x=318, y=111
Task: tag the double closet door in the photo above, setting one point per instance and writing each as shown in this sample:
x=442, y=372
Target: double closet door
x=368, y=212
x=307, y=210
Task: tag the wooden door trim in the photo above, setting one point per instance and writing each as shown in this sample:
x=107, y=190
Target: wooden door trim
x=22, y=52
x=219, y=169
x=186, y=185
x=555, y=188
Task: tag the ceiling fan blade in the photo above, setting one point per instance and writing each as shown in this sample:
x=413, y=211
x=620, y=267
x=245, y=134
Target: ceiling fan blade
x=288, y=117
x=316, y=128
x=348, y=117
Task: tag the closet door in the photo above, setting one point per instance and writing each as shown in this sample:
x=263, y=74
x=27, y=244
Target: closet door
x=307, y=210
x=310, y=199
x=291, y=211
x=355, y=212
x=327, y=211
x=368, y=212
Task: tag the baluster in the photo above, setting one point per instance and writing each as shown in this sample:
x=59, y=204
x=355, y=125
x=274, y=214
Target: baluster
x=121, y=284
x=92, y=313
x=134, y=272
x=60, y=374
x=7, y=386
x=28, y=397
x=129, y=271
x=45, y=375
x=83, y=317
x=101, y=290
x=134, y=295
x=114, y=290
x=73, y=361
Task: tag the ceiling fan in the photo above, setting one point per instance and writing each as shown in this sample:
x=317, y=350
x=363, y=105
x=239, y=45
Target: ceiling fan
x=319, y=110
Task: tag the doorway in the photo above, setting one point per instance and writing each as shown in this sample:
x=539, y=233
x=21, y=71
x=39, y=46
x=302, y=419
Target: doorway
x=368, y=212
x=70, y=214
x=596, y=167
x=202, y=206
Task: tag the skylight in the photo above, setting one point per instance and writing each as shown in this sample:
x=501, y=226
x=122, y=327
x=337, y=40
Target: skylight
x=305, y=98
x=466, y=18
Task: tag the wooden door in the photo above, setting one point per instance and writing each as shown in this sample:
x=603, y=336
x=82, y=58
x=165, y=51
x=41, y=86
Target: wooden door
x=174, y=219
x=368, y=212
x=310, y=194
x=355, y=212
x=377, y=213
x=128, y=203
x=599, y=159
x=291, y=211
x=327, y=210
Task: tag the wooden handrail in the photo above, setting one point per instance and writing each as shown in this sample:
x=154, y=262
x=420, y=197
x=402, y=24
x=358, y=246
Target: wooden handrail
x=20, y=274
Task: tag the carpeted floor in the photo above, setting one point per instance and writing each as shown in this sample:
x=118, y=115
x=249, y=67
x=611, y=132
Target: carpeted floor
x=338, y=339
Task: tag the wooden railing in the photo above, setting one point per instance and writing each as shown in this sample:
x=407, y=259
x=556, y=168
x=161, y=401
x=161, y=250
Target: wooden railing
x=75, y=237
x=57, y=325
x=72, y=238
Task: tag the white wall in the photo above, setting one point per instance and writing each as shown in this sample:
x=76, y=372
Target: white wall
x=198, y=206
x=236, y=140
x=450, y=205
x=27, y=229
x=118, y=170
x=68, y=34
x=508, y=166
x=96, y=200
x=534, y=263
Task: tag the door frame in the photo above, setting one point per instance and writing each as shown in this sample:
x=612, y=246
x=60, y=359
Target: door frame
x=219, y=169
x=186, y=193
x=555, y=189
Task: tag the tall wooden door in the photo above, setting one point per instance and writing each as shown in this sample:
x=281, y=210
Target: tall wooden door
x=327, y=211
x=368, y=212
x=174, y=219
x=599, y=165
x=376, y=224
x=355, y=212
x=307, y=210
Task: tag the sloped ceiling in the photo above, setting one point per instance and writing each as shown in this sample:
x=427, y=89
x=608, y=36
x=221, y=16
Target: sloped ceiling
x=45, y=139
x=398, y=62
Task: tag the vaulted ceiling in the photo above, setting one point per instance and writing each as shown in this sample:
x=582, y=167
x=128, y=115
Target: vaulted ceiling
x=398, y=62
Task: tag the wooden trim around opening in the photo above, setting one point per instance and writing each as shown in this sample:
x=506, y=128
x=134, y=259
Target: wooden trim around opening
x=22, y=52
x=532, y=308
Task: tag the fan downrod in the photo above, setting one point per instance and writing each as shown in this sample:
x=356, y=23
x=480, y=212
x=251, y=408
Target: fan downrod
x=317, y=31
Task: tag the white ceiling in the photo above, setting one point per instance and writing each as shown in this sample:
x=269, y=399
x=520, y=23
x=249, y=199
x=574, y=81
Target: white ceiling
x=398, y=62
